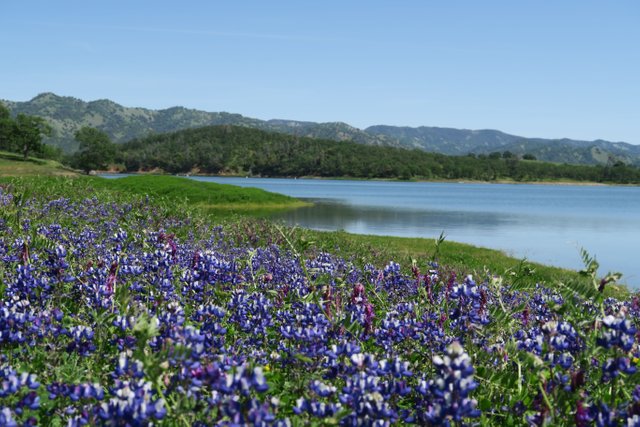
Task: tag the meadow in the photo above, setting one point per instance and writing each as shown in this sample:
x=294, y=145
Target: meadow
x=12, y=164
x=124, y=304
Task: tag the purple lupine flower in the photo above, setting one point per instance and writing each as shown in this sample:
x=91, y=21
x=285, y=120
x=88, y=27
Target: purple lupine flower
x=11, y=381
x=322, y=389
x=617, y=332
x=447, y=396
x=6, y=418
x=357, y=295
x=316, y=408
x=110, y=284
x=614, y=367
x=133, y=402
x=583, y=417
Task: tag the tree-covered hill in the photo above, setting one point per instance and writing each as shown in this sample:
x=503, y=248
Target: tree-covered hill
x=245, y=151
x=464, y=141
x=67, y=115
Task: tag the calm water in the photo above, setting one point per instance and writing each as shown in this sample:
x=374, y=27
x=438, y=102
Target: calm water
x=544, y=223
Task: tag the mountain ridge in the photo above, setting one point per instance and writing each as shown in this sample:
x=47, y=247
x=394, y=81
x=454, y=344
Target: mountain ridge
x=68, y=114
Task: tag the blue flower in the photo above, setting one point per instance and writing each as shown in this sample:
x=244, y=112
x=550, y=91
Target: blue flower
x=446, y=397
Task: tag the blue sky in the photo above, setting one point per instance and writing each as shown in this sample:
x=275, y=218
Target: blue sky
x=531, y=68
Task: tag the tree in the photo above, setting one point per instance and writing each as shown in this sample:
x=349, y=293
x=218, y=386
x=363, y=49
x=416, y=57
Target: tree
x=7, y=126
x=96, y=149
x=508, y=155
x=28, y=133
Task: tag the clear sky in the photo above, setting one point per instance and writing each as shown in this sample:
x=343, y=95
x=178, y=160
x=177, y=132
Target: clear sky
x=532, y=68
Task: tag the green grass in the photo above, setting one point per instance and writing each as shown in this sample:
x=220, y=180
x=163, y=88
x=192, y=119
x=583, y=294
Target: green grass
x=211, y=197
x=12, y=164
x=214, y=199
x=175, y=194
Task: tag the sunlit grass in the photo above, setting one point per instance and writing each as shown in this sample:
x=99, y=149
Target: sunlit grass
x=12, y=164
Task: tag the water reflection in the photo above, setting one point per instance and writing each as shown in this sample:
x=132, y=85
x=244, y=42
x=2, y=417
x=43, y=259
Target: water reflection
x=333, y=215
x=325, y=215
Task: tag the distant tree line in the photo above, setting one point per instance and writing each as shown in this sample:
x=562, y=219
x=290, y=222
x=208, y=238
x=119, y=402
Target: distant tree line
x=245, y=151
x=238, y=150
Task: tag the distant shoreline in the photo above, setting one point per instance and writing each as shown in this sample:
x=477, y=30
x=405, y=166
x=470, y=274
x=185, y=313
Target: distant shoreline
x=346, y=178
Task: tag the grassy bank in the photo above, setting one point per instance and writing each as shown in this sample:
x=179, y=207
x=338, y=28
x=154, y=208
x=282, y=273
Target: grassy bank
x=217, y=200
x=212, y=198
x=12, y=164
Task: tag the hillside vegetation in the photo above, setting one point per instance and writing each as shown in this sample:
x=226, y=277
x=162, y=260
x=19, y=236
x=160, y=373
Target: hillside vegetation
x=245, y=151
x=458, y=142
x=67, y=115
x=241, y=150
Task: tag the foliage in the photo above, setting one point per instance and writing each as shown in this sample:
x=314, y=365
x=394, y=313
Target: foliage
x=96, y=151
x=67, y=115
x=23, y=134
x=484, y=142
x=28, y=133
x=6, y=127
x=116, y=310
x=245, y=151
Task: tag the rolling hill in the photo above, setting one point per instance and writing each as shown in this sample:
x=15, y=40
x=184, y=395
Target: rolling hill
x=243, y=151
x=462, y=141
x=68, y=114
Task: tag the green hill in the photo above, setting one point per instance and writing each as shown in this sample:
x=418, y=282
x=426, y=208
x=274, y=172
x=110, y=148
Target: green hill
x=463, y=141
x=245, y=151
x=67, y=115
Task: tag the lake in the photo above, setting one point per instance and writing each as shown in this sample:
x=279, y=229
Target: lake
x=544, y=223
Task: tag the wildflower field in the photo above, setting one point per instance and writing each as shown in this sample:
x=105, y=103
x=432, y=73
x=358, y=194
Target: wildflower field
x=117, y=310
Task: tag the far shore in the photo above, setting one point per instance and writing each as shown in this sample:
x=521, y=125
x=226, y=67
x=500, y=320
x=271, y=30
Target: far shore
x=346, y=178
